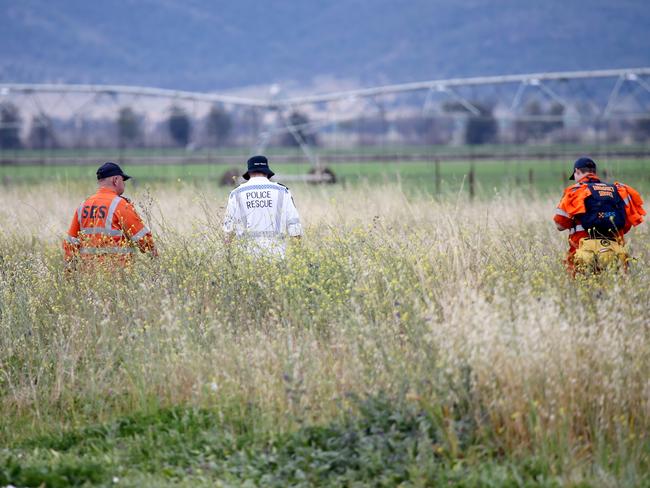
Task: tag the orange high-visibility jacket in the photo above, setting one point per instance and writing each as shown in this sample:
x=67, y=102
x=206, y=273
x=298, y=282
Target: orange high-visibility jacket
x=572, y=205
x=106, y=224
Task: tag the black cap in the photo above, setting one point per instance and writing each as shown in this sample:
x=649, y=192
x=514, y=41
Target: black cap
x=110, y=169
x=258, y=164
x=583, y=162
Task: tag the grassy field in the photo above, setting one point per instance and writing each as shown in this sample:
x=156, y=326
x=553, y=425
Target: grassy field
x=491, y=177
x=388, y=148
x=408, y=340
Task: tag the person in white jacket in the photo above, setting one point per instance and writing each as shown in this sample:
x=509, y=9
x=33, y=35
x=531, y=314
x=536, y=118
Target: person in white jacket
x=261, y=212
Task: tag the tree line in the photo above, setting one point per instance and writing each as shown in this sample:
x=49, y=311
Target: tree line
x=128, y=125
x=454, y=123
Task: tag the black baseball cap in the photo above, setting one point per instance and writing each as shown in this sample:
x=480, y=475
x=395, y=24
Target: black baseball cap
x=258, y=164
x=583, y=162
x=110, y=169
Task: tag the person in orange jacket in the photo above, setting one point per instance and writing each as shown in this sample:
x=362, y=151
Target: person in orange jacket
x=106, y=225
x=597, y=215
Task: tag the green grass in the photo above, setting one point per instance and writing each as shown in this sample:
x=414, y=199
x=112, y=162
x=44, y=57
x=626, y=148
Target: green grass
x=388, y=442
x=490, y=177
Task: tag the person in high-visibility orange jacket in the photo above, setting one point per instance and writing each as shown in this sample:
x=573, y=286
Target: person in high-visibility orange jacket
x=618, y=206
x=106, y=225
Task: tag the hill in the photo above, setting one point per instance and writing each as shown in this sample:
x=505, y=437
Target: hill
x=220, y=45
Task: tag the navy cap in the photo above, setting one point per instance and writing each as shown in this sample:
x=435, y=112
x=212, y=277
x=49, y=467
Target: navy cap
x=110, y=169
x=258, y=164
x=581, y=163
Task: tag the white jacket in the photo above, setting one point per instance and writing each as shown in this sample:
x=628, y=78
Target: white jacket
x=263, y=213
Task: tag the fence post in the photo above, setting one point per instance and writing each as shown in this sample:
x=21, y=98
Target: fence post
x=472, y=191
x=531, y=178
x=437, y=163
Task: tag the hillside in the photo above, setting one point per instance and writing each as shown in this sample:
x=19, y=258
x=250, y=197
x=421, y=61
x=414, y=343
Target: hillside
x=219, y=45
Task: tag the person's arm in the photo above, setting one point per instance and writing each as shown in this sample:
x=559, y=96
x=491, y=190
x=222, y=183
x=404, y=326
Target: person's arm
x=134, y=228
x=560, y=227
x=230, y=220
x=294, y=227
x=634, y=211
x=71, y=243
x=571, y=206
x=562, y=219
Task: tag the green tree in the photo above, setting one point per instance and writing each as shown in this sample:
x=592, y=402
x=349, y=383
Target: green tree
x=454, y=108
x=481, y=128
x=218, y=125
x=41, y=133
x=642, y=128
x=10, y=124
x=128, y=127
x=557, y=113
x=430, y=129
x=299, y=122
x=180, y=126
x=529, y=126
x=536, y=122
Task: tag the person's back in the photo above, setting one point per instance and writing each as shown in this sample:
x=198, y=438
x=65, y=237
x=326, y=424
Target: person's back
x=105, y=225
x=261, y=212
x=597, y=215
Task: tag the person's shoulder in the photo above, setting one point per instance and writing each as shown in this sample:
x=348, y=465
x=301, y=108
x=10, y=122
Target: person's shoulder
x=95, y=195
x=238, y=188
x=573, y=188
x=125, y=203
x=273, y=185
x=627, y=189
x=619, y=185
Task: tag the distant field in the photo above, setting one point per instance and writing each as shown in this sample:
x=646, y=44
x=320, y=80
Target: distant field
x=396, y=149
x=490, y=176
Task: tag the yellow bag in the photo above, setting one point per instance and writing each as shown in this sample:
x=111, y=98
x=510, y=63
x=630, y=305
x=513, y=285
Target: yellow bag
x=599, y=254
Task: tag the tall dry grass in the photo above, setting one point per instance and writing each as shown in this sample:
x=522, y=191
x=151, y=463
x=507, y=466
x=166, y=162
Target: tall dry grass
x=463, y=308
